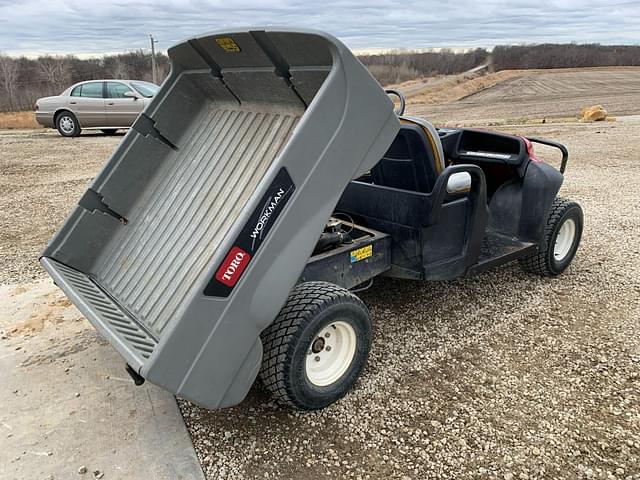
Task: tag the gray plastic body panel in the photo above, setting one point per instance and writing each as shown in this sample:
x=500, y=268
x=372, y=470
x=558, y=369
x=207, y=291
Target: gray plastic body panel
x=255, y=133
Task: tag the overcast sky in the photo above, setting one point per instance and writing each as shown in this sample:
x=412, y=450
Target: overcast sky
x=94, y=27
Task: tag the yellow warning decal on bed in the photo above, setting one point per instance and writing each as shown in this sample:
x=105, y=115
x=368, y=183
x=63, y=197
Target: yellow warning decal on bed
x=228, y=44
x=361, y=253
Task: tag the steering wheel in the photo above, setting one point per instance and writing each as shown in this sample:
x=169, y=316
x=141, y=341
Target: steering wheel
x=398, y=94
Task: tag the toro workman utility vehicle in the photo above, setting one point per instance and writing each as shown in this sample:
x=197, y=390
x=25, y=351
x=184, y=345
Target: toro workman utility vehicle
x=269, y=178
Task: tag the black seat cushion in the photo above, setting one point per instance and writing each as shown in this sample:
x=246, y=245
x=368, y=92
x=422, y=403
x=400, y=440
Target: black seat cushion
x=409, y=164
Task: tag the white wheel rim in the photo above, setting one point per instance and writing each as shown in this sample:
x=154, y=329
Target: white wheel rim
x=564, y=240
x=66, y=124
x=330, y=353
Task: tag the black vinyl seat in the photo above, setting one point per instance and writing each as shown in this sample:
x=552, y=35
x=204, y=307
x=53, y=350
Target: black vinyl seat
x=410, y=162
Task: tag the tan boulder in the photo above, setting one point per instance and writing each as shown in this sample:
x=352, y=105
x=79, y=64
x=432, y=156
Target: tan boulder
x=595, y=113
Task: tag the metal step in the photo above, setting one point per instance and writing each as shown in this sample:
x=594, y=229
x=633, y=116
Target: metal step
x=498, y=249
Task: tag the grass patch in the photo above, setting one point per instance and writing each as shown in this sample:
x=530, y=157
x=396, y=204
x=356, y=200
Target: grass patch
x=18, y=120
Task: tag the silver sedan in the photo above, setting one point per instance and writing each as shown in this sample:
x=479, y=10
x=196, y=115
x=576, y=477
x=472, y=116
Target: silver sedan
x=107, y=105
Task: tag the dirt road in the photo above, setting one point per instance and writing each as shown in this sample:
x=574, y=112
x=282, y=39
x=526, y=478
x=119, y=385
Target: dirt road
x=416, y=86
x=505, y=375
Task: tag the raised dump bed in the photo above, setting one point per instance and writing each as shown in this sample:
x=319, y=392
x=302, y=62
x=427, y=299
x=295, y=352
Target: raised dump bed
x=186, y=245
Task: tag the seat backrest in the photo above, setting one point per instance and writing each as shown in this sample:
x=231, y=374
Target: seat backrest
x=414, y=160
x=434, y=139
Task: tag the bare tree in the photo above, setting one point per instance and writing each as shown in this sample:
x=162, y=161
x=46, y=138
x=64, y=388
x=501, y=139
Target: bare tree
x=56, y=72
x=119, y=69
x=9, y=78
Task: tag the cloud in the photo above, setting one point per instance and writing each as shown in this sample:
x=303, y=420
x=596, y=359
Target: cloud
x=86, y=27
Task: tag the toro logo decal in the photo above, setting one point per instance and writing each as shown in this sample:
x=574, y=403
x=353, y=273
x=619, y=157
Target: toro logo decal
x=232, y=267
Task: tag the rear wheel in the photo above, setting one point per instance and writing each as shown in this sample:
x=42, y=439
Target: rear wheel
x=560, y=241
x=67, y=124
x=317, y=347
x=109, y=131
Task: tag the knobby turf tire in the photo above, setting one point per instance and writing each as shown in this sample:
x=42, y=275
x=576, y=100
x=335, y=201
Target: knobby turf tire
x=543, y=261
x=310, y=307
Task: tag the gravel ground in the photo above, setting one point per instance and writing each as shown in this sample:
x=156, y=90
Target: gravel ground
x=42, y=175
x=505, y=375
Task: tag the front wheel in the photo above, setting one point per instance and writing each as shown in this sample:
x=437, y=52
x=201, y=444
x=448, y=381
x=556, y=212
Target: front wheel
x=560, y=242
x=317, y=347
x=67, y=124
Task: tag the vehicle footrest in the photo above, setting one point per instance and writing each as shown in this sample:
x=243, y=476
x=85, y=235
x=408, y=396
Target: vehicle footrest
x=498, y=249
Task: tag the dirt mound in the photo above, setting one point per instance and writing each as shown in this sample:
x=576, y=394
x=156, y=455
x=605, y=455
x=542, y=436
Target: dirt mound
x=537, y=95
x=595, y=113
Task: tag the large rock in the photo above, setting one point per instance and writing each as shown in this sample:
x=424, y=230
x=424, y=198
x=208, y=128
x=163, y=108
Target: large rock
x=595, y=113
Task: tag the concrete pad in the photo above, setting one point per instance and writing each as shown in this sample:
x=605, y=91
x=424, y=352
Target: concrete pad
x=67, y=401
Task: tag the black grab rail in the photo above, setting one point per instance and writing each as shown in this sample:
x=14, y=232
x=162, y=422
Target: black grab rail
x=559, y=146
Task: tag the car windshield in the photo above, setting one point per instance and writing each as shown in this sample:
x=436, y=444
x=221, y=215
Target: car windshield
x=145, y=89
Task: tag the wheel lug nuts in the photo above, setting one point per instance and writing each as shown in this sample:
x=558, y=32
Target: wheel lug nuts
x=327, y=348
x=327, y=335
x=317, y=359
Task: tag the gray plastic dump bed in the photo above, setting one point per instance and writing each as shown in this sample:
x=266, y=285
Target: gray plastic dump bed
x=186, y=245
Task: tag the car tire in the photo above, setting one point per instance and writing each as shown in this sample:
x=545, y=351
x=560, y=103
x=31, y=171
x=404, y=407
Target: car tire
x=67, y=124
x=317, y=347
x=560, y=241
x=109, y=131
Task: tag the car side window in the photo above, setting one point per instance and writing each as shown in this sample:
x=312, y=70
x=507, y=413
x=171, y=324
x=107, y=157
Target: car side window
x=76, y=92
x=116, y=90
x=92, y=90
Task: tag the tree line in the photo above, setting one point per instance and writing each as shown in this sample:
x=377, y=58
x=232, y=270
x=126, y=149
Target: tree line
x=396, y=67
x=23, y=80
x=552, y=55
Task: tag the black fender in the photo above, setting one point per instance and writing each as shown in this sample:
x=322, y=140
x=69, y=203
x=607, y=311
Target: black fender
x=540, y=187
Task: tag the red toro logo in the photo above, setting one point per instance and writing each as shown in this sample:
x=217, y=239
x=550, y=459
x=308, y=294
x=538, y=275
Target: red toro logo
x=233, y=266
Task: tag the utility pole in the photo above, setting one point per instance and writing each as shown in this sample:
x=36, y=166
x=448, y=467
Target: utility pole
x=153, y=58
